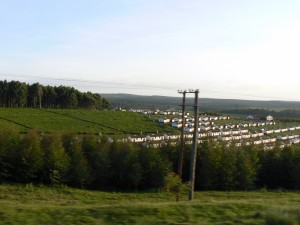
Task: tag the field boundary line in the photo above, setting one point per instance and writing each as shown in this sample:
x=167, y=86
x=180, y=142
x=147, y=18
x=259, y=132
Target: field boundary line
x=11, y=121
x=88, y=121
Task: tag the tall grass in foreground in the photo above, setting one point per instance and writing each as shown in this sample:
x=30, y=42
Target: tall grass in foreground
x=29, y=204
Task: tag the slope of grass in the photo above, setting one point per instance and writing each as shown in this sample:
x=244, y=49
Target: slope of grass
x=83, y=121
x=45, y=121
x=95, y=121
x=5, y=123
x=62, y=205
x=126, y=122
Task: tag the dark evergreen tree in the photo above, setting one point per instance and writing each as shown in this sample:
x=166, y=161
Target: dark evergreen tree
x=49, y=97
x=154, y=168
x=125, y=167
x=209, y=166
x=3, y=93
x=9, y=145
x=96, y=152
x=246, y=169
x=56, y=160
x=78, y=174
x=35, y=95
x=29, y=158
x=18, y=94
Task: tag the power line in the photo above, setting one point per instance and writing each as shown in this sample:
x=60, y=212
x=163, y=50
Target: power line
x=130, y=86
x=90, y=81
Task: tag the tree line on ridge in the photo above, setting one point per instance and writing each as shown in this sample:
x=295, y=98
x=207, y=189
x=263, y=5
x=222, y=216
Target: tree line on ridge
x=20, y=94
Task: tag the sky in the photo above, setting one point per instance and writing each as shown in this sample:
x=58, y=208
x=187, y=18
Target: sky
x=237, y=49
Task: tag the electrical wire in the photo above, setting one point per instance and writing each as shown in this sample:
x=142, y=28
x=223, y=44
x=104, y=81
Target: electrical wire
x=131, y=86
x=89, y=81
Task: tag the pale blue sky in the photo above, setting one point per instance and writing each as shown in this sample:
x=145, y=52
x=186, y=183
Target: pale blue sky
x=225, y=48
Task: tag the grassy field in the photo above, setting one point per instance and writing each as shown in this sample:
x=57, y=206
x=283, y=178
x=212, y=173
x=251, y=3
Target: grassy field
x=82, y=121
x=4, y=123
x=96, y=121
x=28, y=204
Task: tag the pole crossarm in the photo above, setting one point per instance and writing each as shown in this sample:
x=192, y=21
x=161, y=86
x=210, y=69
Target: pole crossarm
x=188, y=91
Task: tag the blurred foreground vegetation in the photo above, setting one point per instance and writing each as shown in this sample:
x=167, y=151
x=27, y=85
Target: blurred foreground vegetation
x=30, y=204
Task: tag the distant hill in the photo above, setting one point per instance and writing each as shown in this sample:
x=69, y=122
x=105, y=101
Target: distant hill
x=206, y=104
x=231, y=106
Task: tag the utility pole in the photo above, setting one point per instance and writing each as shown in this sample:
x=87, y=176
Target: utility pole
x=195, y=139
x=182, y=136
x=194, y=152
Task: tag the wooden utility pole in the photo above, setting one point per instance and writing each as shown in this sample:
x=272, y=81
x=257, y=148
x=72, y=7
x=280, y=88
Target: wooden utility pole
x=194, y=152
x=180, y=162
x=195, y=139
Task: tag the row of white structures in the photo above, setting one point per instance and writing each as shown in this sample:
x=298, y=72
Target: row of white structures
x=224, y=135
x=267, y=144
x=210, y=125
x=177, y=113
x=173, y=140
x=192, y=119
x=158, y=112
x=216, y=131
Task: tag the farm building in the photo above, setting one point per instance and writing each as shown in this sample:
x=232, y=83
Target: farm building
x=171, y=136
x=137, y=139
x=155, y=137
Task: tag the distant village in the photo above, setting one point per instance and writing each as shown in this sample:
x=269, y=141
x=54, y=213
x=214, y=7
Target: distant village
x=249, y=132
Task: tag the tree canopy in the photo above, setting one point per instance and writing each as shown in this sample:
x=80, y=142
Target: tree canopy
x=20, y=94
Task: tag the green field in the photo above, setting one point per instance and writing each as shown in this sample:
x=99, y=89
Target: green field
x=81, y=121
x=95, y=121
x=28, y=204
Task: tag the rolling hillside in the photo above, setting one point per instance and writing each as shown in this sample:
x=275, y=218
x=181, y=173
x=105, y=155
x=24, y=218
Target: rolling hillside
x=206, y=104
x=80, y=121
